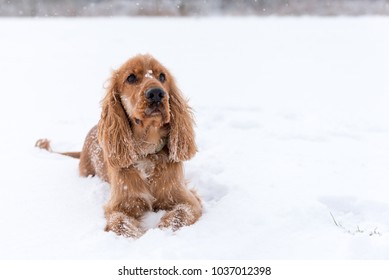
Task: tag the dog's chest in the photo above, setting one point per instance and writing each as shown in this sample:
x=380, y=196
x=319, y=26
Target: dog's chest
x=145, y=168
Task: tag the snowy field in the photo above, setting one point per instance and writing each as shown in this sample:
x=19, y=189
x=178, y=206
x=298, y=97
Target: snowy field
x=292, y=128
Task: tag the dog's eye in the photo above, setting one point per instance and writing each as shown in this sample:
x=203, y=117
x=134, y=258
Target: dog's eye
x=131, y=79
x=162, y=77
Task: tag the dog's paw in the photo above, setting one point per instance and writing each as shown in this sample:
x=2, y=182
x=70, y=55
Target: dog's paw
x=181, y=215
x=121, y=224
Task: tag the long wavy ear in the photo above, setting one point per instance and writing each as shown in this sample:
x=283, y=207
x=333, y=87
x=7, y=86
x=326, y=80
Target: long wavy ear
x=115, y=135
x=181, y=144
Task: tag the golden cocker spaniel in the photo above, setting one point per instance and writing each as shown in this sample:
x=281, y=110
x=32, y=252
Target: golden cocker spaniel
x=144, y=134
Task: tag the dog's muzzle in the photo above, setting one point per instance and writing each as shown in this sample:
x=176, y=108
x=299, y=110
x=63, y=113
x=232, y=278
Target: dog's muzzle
x=155, y=95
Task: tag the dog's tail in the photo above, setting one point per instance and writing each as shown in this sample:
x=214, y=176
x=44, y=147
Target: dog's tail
x=45, y=144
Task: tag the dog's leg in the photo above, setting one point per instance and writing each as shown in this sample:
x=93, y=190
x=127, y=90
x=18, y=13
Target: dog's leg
x=124, y=225
x=129, y=201
x=185, y=213
x=123, y=216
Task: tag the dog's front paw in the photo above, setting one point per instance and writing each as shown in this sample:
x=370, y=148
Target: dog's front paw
x=181, y=215
x=124, y=225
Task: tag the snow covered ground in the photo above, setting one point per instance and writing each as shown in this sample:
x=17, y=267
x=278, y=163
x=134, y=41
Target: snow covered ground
x=292, y=128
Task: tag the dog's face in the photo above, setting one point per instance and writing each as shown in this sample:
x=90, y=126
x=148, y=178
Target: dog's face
x=142, y=97
x=144, y=86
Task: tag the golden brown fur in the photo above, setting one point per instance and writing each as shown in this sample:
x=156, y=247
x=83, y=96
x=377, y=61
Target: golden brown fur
x=139, y=146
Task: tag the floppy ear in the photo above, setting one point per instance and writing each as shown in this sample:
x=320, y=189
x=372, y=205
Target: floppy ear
x=114, y=131
x=181, y=142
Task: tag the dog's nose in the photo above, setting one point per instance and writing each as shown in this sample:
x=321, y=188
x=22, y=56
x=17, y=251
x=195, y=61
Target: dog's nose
x=154, y=95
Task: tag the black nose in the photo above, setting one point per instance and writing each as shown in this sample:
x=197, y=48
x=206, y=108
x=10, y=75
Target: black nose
x=154, y=95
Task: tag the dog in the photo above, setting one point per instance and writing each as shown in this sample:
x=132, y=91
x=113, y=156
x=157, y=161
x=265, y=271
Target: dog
x=145, y=133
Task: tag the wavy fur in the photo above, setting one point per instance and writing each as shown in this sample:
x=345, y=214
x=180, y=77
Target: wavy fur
x=139, y=146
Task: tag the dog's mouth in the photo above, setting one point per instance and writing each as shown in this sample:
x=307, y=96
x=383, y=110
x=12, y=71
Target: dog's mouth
x=155, y=109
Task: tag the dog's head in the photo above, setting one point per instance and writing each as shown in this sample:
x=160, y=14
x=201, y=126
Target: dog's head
x=143, y=93
x=144, y=90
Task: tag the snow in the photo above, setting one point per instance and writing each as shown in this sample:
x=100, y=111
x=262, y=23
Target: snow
x=292, y=130
x=149, y=74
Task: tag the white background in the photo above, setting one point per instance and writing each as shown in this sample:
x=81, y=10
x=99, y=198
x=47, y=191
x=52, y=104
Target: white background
x=292, y=128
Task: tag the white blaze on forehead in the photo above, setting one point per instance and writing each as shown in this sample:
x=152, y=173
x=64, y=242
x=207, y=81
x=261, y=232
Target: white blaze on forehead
x=127, y=105
x=149, y=74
